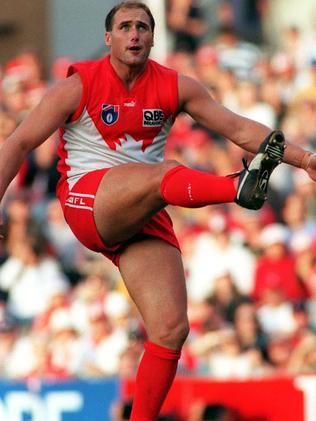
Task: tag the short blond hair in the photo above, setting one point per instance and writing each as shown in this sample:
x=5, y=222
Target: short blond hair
x=128, y=5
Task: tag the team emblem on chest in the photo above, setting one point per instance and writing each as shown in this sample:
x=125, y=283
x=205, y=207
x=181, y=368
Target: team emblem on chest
x=110, y=114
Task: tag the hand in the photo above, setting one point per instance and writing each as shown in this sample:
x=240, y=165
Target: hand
x=311, y=167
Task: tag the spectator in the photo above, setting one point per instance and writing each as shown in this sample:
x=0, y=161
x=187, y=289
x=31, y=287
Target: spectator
x=207, y=65
x=248, y=329
x=310, y=281
x=128, y=362
x=303, y=251
x=8, y=336
x=186, y=23
x=27, y=357
x=218, y=246
x=30, y=277
x=279, y=350
x=270, y=93
x=229, y=361
x=201, y=411
x=307, y=191
x=295, y=216
x=226, y=88
x=251, y=106
x=275, y=269
x=94, y=294
x=303, y=357
x=27, y=68
x=38, y=174
x=14, y=97
x=121, y=411
x=65, y=245
x=218, y=412
x=19, y=221
x=283, y=68
x=221, y=356
x=102, y=347
x=226, y=296
x=275, y=313
x=65, y=351
x=234, y=54
x=60, y=67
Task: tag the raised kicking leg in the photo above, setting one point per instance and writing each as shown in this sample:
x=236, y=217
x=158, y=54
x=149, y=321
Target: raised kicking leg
x=129, y=195
x=153, y=273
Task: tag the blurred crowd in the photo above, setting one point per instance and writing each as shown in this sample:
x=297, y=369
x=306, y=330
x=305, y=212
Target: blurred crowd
x=251, y=275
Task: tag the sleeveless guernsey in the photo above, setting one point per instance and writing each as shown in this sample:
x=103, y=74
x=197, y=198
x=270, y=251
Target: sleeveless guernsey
x=114, y=126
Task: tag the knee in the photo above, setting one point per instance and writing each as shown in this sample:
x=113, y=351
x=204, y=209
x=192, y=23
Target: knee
x=172, y=334
x=169, y=164
x=158, y=171
x=164, y=167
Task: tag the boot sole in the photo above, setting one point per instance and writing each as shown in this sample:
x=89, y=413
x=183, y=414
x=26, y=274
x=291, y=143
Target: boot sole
x=273, y=156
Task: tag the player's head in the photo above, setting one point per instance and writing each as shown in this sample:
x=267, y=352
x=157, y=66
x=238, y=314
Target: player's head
x=128, y=5
x=129, y=33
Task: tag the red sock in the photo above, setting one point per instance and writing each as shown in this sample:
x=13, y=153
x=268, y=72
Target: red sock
x=154, y=378
x=190, y=188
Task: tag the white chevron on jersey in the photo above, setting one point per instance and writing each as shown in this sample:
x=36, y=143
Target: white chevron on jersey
x=88, y=151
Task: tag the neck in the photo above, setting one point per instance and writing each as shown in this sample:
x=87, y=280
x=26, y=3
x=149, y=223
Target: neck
x=127, y=73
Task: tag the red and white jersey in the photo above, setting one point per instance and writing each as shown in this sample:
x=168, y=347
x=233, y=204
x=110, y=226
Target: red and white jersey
x=114, y=126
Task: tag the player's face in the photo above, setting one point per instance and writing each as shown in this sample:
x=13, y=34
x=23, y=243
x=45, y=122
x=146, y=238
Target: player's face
x=131, y=37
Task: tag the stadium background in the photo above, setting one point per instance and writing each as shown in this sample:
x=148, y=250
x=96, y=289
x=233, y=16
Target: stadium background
x=70, y=339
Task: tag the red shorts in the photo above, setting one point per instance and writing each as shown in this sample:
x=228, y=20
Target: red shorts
x=77, y=205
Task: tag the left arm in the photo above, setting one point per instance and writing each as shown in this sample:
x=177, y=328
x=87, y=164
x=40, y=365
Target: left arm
x=248, y=134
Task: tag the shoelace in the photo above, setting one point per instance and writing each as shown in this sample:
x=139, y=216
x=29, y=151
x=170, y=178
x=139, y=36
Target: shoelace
x=237, y=173
x=245, y=164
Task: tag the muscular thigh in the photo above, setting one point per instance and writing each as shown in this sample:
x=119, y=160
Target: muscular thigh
x=153, y=273
x=127, y=197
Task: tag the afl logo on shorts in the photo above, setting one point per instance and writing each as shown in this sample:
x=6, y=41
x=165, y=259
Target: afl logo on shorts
x=110, y=114
x=152, y=117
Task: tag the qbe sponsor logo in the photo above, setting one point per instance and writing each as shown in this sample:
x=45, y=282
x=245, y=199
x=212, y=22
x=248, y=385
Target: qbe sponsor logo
x=153, y=117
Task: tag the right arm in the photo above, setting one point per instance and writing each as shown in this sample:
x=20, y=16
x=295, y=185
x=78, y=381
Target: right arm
x=59, y=102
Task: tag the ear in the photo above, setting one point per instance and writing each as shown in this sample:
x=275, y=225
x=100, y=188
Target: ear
x=107, y=38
